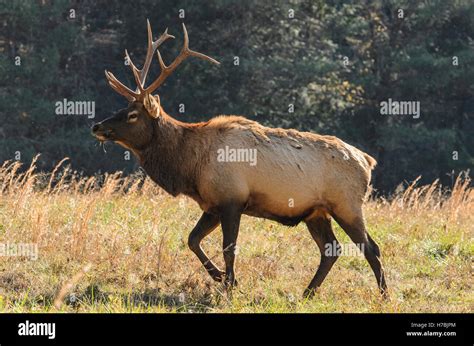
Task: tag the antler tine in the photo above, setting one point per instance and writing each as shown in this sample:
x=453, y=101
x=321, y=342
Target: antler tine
x=119, y=87
x=152, y=46
x=136, y=73
x=194, y=53
x=167, y=70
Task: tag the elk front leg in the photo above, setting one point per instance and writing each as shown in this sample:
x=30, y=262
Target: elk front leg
x=206, y=224
x=230, y=221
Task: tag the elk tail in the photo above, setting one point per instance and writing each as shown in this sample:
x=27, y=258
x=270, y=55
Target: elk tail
x=370, y=161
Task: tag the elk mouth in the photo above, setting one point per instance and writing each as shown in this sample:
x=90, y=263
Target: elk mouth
x=102, y=135
x=103, y=138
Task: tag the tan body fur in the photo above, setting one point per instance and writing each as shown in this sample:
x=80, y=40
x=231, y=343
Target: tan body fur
x=297, y=173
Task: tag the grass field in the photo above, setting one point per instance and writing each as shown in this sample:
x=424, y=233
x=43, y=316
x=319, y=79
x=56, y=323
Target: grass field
x=112, y=244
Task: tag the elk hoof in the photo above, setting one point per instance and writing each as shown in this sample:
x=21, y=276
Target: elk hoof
x=385, y=295
x=309, y=293
x=230, y=282
x=217, y=275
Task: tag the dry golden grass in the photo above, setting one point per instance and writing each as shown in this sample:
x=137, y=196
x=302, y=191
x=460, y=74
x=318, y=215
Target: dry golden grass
x=112, y=244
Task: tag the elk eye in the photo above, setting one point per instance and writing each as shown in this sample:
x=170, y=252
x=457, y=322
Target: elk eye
x=132, y=116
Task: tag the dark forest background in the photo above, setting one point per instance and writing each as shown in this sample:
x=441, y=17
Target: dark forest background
x=335, y=61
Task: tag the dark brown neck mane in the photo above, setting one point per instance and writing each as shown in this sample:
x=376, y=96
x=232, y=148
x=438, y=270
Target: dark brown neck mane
x=172, y=159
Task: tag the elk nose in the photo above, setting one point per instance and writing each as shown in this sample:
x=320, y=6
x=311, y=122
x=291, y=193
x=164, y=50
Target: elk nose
x=95, y=128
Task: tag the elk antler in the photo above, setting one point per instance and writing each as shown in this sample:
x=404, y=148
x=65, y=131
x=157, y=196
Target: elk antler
x=140, y=75
x=167, y=70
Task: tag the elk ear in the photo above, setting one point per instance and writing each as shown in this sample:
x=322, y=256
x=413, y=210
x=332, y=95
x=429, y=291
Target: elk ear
x=152, y=105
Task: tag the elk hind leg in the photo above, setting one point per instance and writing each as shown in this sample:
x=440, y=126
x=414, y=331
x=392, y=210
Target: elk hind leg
x=322, y=233
x=354, y=225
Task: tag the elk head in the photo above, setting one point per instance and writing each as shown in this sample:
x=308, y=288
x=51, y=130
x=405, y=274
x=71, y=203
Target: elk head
x=133, y=127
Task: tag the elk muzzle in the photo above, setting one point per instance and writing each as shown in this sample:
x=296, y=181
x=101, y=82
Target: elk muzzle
x=102, y=133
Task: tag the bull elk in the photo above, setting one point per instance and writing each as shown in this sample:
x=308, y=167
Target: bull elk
x=322, y=176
